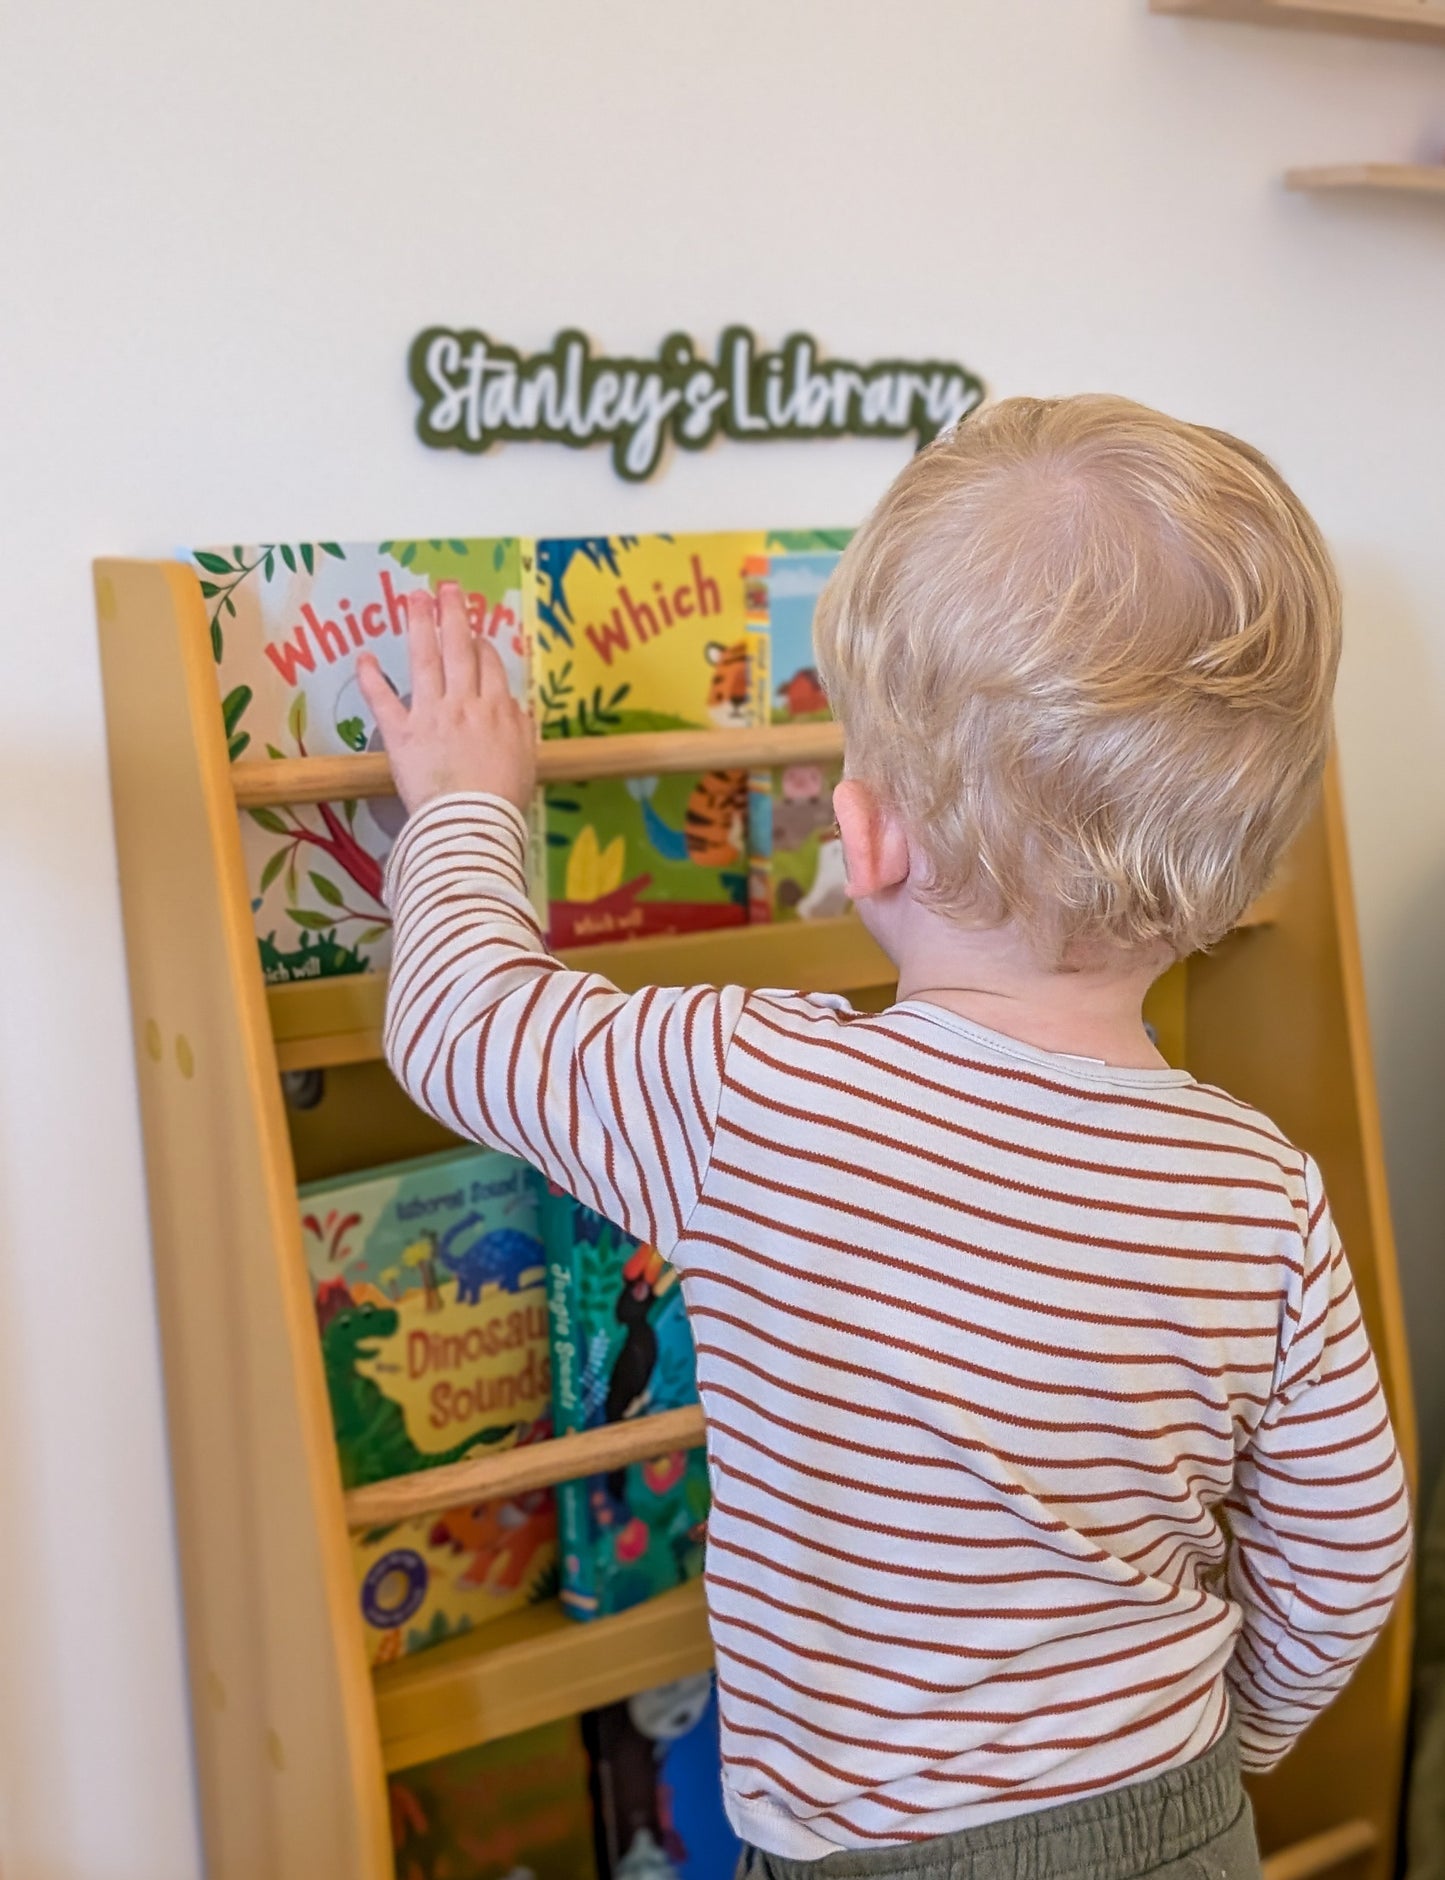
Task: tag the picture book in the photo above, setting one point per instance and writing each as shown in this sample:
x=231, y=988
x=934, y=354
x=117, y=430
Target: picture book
x=637, y=634
x=428, y=1278
x=287, y=626
x=621, y=1348
x=516, y=1809
x=657, y=1786
x=798, y=863
x=420, y=1582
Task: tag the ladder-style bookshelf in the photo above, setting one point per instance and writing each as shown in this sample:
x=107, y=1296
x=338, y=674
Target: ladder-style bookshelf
x=294, y=1734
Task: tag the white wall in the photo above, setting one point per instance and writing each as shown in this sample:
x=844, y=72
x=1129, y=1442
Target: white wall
x=221, y=226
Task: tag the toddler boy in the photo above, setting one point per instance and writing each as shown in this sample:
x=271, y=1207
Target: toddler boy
x=995, y=1313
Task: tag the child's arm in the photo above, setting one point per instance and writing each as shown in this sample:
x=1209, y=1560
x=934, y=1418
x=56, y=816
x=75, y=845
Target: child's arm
x=614, y=1098
x=1319, y=1512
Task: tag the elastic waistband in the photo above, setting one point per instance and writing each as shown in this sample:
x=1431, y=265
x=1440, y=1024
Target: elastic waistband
x=1118, y=1835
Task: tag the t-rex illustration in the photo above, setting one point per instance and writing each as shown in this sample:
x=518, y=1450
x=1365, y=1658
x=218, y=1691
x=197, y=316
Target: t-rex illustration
x=371, y=1432
x=497, y=1258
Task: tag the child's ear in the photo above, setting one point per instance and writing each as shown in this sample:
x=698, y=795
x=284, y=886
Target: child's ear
x=875, y=846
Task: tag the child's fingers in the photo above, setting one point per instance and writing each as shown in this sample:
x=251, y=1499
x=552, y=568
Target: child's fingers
x=491, y=673
x=386, y=708
x=422, y=648
x=459, y=655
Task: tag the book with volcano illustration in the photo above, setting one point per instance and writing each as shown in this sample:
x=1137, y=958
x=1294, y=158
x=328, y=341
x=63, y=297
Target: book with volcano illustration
x=638, y=634
x=797, y=861
x=428, y=1279
x=288, y=623
x=621, y=1348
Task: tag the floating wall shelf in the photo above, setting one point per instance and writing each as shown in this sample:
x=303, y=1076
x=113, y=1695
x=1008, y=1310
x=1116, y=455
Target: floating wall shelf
x=1379, y=19
x=1421, y=179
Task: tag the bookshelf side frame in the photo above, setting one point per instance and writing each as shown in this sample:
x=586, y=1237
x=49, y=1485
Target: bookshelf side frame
x=282, y=1710
x=1277, y=1016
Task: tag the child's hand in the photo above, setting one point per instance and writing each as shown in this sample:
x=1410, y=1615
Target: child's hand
x=463, y=730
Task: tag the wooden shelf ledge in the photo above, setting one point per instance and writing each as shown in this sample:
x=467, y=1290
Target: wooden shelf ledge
x=1378, y=19
x=538, y=1465
x=286, y=780
x=1421, y=179
x=1322, y=1853
x=321, y=1023
x=324, y=1022
x=533, y=1667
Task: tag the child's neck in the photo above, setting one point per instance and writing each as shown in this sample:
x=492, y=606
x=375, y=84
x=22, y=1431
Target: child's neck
x=991, y=976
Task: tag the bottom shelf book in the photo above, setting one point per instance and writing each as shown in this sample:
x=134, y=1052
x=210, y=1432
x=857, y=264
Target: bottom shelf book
x=515, y=1808
x=631, y=1791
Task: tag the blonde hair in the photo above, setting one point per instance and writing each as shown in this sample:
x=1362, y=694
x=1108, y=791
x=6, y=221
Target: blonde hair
x=1086, y=652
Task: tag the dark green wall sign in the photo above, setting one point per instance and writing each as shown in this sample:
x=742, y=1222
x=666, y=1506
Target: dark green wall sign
x=475, y=393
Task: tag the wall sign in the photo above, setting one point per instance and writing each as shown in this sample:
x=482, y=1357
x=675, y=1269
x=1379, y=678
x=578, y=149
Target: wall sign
x=475, y=392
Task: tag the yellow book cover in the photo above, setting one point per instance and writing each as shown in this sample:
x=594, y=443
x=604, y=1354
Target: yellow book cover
x=420, y=1582
x=636, y=634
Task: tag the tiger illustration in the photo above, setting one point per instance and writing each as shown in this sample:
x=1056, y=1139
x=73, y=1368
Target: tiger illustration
x=729, y=692
x=714, y=821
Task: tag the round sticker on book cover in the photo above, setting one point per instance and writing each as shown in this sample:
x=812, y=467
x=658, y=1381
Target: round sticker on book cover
x=394, y=1589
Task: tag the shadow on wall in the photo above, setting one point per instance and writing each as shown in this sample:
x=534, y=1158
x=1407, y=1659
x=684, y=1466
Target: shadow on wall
x=1391, y=721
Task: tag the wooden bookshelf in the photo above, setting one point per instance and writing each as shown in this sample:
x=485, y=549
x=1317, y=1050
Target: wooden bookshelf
x=1422, y=20
x=1413, y=179
x=294, y=1734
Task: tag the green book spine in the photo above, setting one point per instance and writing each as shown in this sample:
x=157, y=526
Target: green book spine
x=569, y=1415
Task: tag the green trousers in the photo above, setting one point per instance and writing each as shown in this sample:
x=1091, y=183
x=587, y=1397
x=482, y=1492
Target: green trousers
x=1193, y=1823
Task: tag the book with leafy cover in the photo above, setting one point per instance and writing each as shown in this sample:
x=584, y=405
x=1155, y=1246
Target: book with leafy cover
x=516, y=1809
x=633, y=634
x=621, y=1348
x=798, y=863
x=287, y=625
x=657, y=1786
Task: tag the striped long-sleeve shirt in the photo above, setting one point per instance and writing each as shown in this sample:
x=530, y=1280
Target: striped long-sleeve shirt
x=988, y=1342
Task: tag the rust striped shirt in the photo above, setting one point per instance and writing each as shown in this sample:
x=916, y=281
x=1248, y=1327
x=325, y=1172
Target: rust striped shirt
x=993, y=1345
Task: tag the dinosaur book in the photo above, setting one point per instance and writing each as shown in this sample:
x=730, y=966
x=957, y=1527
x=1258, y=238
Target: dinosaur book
x=517, y=1809
x=621, y=1348
x=797, y=869
x=635, y=634
x=428, y=1279
x=429, y=1283
x=287, y=625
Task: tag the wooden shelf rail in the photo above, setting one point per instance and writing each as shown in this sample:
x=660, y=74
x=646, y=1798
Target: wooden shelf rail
x=537, y=1465
x=559, y=760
